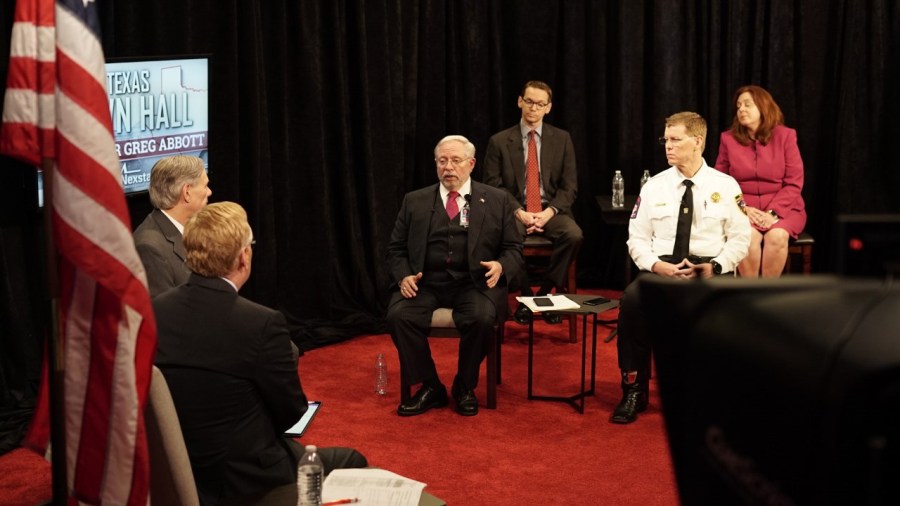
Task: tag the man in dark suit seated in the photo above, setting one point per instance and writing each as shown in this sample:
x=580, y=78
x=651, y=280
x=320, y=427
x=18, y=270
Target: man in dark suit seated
x=231, y=369
x=454, y=245
x=535, y=163
x=179, y=187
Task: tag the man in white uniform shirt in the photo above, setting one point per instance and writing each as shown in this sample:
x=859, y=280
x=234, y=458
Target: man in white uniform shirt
x=719, y=237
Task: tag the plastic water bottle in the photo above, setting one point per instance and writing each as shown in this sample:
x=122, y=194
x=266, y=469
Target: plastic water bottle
x=618, y=190
x=380, y=375
x=645, y=178
x=310, y=475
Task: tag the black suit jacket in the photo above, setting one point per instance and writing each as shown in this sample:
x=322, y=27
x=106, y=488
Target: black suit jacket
x=229, y=365
x=504, y=166
x=492, y=236
x=162, y=252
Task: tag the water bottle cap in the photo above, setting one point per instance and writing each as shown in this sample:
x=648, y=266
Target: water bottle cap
x=310, y=448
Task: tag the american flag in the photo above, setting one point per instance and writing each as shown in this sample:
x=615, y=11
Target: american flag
x=55, y=113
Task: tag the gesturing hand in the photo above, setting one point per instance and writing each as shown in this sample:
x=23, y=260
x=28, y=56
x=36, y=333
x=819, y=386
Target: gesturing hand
x=494, y=270
x=409, y=286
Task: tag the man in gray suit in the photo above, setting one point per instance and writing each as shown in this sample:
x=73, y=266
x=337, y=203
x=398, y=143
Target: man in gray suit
x=454, y=245
x=535, y=163
x=179, y=187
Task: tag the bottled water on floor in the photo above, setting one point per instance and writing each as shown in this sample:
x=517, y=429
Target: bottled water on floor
x=380, y=375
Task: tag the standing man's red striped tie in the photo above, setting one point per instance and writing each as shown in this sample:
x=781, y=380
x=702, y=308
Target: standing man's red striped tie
x=532, y=177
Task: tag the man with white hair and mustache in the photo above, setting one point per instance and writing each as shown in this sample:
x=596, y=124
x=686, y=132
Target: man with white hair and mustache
x=454, y=244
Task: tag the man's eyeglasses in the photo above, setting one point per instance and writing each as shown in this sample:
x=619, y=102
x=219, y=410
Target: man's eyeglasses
x=456, y=162
x=674, y=140
x=531, y=103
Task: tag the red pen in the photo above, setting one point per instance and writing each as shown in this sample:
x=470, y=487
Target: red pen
x=341, y=501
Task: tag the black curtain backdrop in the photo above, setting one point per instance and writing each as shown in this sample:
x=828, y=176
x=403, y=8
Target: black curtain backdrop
x=325, y=112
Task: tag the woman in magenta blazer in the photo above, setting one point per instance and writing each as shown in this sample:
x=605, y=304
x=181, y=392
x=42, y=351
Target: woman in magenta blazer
x=762, y=155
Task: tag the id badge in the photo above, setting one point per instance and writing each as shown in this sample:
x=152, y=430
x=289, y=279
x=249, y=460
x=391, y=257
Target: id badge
x=464, y=217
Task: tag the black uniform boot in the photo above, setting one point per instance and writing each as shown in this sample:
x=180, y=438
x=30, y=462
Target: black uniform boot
x=634, y=399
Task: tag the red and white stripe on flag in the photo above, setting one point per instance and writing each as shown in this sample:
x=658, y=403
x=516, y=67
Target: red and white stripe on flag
x=56, y=108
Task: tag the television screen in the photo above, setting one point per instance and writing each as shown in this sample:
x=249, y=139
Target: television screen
x=159, y=107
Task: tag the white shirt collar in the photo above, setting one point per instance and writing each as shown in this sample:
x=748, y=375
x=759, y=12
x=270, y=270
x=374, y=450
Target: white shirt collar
x=465, y=189
x=179, y=226
x=698, y=176
x=525, y=129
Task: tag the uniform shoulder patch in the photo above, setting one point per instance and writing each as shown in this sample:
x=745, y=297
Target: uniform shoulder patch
x=739, y=200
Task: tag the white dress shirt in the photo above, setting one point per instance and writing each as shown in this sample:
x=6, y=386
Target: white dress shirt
x=719, y=229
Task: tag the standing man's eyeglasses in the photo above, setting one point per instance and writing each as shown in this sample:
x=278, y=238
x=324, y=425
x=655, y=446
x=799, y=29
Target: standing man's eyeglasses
x=531, y=103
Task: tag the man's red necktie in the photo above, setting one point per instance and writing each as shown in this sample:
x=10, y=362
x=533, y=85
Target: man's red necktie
x=532, y=177
x=452, y=206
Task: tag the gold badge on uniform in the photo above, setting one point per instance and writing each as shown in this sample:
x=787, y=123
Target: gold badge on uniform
x=715, y=197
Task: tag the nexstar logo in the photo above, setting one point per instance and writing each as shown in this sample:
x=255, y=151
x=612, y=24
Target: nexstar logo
x=134, y=178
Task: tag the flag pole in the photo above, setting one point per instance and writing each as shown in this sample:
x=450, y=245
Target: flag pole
x=56, y=349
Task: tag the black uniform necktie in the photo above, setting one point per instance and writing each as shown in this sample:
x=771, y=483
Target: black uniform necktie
x=685, y=217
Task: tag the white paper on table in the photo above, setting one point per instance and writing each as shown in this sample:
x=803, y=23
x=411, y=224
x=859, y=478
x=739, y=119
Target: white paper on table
x=559, y=302
x=372, y=487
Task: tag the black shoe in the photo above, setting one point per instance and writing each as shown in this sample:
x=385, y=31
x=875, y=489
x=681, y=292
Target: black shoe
x=466, y=402
x=522, y=315
x=425, y=399
x=634, y=401
x=552, y=318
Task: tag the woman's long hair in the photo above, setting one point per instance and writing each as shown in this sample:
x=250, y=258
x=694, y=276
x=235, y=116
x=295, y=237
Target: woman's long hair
x=770, y=116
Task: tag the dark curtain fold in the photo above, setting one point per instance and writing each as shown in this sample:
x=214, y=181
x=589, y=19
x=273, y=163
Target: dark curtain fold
x=324, y=113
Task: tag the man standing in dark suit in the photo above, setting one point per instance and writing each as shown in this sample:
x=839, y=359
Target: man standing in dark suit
x=179, y=187
x=454, y=245
x=535, y=163
x=231, y=369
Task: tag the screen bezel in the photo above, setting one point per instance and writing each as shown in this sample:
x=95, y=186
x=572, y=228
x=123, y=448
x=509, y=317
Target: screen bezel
x=302, y=424
x=39, y=197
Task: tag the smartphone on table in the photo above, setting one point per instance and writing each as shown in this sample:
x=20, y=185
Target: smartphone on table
x=595, y=302
x=543, y=302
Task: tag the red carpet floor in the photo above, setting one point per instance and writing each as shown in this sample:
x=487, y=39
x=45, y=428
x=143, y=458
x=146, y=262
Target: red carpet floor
x=522, y=452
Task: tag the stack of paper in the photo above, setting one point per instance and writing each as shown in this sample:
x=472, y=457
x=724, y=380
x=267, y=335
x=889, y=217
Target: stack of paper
x=557, y=302
x=371, y=486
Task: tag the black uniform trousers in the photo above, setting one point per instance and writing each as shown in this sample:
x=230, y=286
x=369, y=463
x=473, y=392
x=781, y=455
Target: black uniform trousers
x=632, y=341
